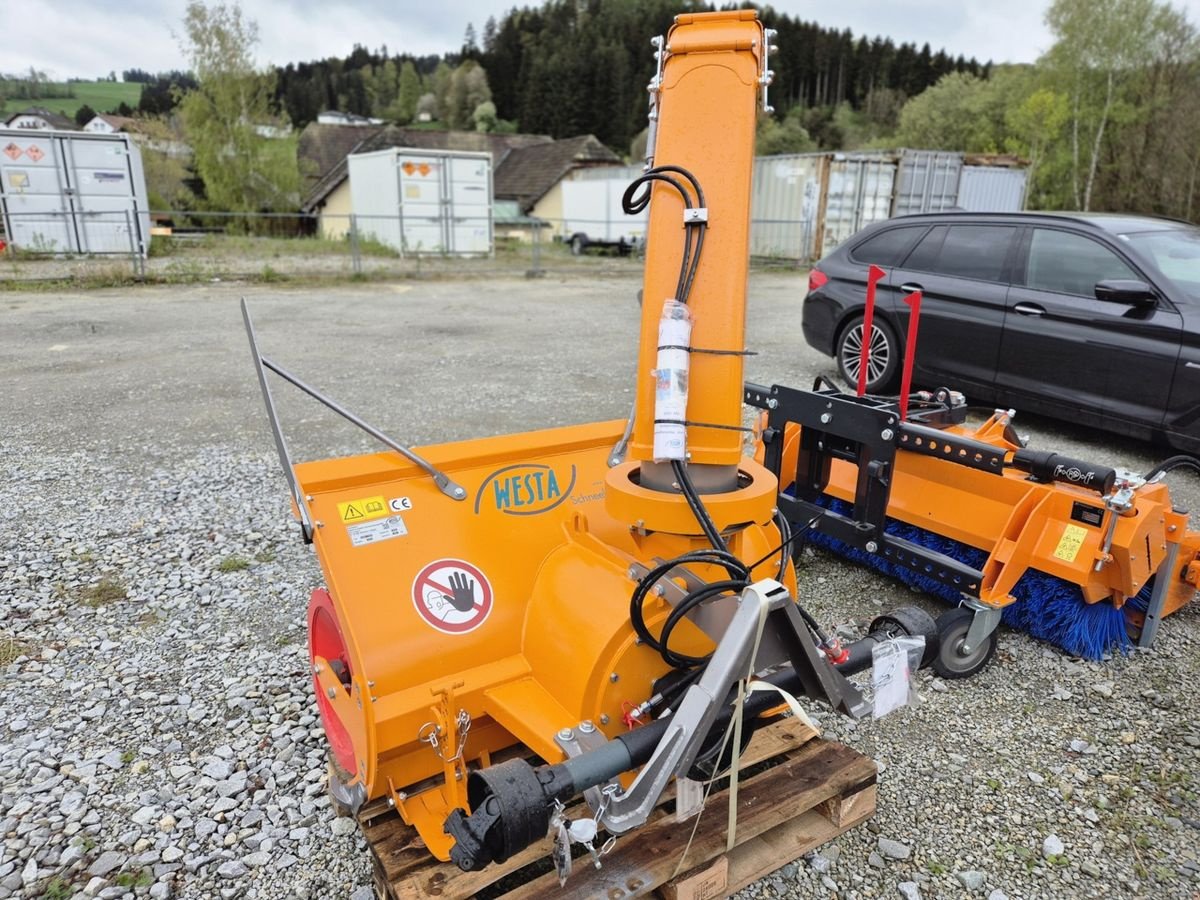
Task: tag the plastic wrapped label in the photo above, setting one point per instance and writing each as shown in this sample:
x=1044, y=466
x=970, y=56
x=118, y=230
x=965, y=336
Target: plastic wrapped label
x=892, y=665
x=671, y=382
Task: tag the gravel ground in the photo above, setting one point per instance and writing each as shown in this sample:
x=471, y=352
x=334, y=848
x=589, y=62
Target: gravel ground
x=157, y=735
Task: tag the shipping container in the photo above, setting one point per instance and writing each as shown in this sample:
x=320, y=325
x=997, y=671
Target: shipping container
x=927, y=181
x=423, y=201
x=72, y=192
x=784, y=202
x=858, y=192
x=992, y=189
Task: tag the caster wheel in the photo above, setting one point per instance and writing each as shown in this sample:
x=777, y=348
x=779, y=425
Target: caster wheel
x=950, y=661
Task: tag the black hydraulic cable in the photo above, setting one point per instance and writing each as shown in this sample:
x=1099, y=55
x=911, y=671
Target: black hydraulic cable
x=738, y=574
x=692, y=600
x=697, y=506
x=1182, y=461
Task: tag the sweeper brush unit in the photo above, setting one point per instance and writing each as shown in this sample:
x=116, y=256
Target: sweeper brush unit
x=1080, y=555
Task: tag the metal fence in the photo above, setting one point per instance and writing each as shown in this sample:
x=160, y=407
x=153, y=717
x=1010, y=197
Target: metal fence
x=192, y=246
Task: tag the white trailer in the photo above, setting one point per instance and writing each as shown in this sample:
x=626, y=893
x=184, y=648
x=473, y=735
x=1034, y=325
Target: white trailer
x=593, y=215
x=71, y=192
x=423, y=201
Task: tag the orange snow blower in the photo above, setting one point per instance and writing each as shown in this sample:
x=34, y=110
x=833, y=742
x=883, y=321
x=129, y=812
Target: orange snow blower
x=539, y=593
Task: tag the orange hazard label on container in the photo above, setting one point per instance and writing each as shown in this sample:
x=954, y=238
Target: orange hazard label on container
x=34, y=152
x=12, y=151
x=411, y=168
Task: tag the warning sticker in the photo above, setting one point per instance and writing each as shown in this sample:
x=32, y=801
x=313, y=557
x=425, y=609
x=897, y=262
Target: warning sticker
x=453, y=596
x=376, y=531
x=12, y=151
x=34, y=152
x=362, y=510
x=1070, y=542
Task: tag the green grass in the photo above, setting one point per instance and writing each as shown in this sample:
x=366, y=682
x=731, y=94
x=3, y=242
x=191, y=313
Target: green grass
x=57, y=889
x=101, y=96
x=104, y=592
x=10, y=649
x=136, y=878
x=233, y=564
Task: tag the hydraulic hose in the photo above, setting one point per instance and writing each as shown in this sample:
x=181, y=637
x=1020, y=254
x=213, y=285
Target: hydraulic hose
x=1182, y=461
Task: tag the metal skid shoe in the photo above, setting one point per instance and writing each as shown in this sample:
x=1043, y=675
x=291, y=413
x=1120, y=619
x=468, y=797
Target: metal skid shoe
x=514, y=804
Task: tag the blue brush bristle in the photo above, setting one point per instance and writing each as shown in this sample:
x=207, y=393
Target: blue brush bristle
x=1047, y=608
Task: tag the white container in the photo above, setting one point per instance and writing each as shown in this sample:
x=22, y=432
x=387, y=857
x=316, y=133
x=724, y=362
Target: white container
x=423, y=201
x=992, y=189
x=73, y=192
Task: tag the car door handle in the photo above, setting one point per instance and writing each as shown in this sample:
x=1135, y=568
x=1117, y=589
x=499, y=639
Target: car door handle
x=1192, y=365
x=1029, y=309
x=911, y=288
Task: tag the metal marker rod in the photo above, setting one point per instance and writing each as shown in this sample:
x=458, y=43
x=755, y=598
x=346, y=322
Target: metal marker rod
x=447, y=487
x=874, y=276
x=285, y=458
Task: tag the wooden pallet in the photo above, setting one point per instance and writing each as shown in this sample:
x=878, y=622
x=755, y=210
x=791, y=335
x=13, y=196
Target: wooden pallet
x=796, y=792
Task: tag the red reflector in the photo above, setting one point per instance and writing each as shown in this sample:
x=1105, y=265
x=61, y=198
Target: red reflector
x=817, y=279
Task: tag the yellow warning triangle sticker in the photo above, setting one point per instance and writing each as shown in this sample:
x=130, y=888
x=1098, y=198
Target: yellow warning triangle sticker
x=350, y=513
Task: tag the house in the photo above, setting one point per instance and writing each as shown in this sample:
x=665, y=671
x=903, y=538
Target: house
x=533, y=175
x=334, y=117
x=324, y=148
x=41, y=119
x=109, y=124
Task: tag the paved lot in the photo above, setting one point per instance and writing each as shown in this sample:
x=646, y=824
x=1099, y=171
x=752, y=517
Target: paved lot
x=157, y=736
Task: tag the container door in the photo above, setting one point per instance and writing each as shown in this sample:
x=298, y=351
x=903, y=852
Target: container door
x=33, y=183
x=991, y=189
x=927, y=182
x=106, y=215
x=859, y=193
x=783, y=206
x=421, y=204
x=468, y=190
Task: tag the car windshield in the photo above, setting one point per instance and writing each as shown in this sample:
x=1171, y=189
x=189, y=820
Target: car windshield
x=1176, y=253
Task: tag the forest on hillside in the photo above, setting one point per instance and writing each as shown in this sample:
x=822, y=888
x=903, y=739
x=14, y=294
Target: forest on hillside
x=1107, y=119
x=572, y=67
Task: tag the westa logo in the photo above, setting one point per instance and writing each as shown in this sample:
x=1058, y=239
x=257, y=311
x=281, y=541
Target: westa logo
x=525, y=489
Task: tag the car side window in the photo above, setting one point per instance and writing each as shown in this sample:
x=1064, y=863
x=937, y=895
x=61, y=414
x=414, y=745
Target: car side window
x=1071, y=263
x=965, y=251
x=887, y=247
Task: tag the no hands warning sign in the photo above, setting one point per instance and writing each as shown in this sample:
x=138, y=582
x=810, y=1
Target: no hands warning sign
x=453, y=596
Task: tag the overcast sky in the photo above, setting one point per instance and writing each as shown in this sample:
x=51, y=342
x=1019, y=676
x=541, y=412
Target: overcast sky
x=89, y=38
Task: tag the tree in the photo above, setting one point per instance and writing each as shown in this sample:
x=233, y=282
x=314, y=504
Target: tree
x=164, y=161
x=1034, y=126
x=789, y=136
x=84, y=114
x=1099, y=47
x=485, y=116
x=468, y=89
x=409, y=93
x=242, y=170
x=382, y=84
x=441, y=89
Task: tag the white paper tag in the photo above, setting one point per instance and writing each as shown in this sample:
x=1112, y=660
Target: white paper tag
x=889, y=677
x=689, y=798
